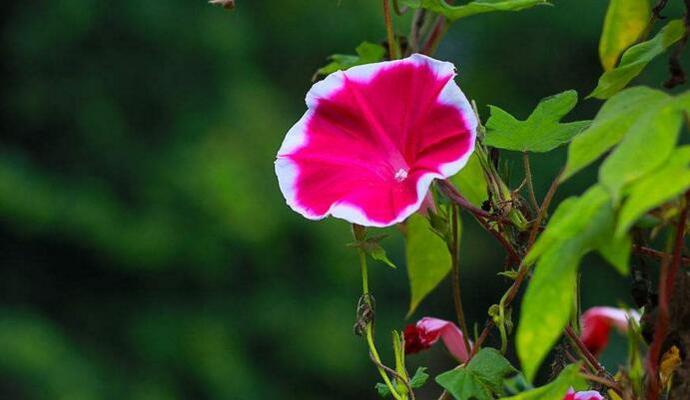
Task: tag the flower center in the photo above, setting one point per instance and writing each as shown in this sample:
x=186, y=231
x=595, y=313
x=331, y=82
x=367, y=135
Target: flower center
x=401, y=175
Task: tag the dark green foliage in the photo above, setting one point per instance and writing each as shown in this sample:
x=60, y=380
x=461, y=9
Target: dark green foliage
x=366, y=53
x=481, y=379
x=473, y=7
x=417, y=381
x=428, y=261
x=541, y=132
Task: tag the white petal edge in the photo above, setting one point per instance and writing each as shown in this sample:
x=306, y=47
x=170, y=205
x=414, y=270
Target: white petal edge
x=618, y=317
x=451, y=95
x=296, y=137
x=366, y=72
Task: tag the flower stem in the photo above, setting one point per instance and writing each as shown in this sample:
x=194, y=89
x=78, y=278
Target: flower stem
x=458, y=199
x=589, y=357
x=435, y=36
x=656, y=254
x=454, y=248
x=530, y=185
x=369, y=330
x=392, y=43
x=413, y=38
x=365, y=273
x=543, y=210
x=606, y=382
x=501, y=194
x=399, y=10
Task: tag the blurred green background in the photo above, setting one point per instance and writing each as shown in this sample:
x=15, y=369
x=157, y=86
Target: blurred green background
x=145, y=250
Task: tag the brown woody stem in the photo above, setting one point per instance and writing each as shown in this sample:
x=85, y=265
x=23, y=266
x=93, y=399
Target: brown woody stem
x=667, y=278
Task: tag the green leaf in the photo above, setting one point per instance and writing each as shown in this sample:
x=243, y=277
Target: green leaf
x=428, y=259
x=382, y=389
x=378, y=253
x=541, y=132
x=471, y=181
x=517, y=384
x=546, y=306
x=560, y=222
x=616, y=249
x=556, y=390
x=625, y=21
x=646, y=145
x=481, y=379
x=372, y=247
x=578, y=226
x=454, y=13
x=366, y=53
x=636, y=58
x=418, y=380
x=660, y=186
x=613, y=121
x=683, y=100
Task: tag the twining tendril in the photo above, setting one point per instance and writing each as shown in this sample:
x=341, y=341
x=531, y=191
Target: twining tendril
x=366, y=313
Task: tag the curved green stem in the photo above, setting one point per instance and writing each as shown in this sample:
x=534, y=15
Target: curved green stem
x=530, y=185
x=454, y=247
x=369, y=330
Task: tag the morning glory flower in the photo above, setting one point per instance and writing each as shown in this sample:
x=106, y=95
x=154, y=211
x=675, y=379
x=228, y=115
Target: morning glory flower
x=373, y=139
x=427, y=331
x=597, y=323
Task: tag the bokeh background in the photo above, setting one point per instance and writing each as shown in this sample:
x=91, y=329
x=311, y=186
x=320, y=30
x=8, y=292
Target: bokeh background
x=145, y=250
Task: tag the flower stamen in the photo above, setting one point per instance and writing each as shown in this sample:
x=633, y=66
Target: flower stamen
x=401, y=175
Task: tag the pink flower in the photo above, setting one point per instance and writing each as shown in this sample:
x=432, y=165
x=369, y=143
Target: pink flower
x=373, y=139
x=588, y=395
x=427, y=331
x=597, y=322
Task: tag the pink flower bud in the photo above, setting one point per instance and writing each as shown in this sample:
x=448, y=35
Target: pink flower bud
x=588, y=395
x=597, y=323
x=427, y=331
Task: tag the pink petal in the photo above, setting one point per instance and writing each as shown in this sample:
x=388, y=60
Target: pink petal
x=587, y=395
x=597, y=322
x=429, y=330
x=570, y=395
x=373, y=139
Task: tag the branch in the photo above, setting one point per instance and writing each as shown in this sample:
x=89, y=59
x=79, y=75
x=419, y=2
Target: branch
x=528, y=177
x=524, y=269
x=454, y=248
x=416, y=25
x=589, y=357
x=394, y=373
x=606, y=382
x=543, y=210
x=656, y=15
x=452, y=193
x=667, y=279
x=390, y=34
x=656, y=11
x=656, y=254
x=399, y=10
x=435, y=37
